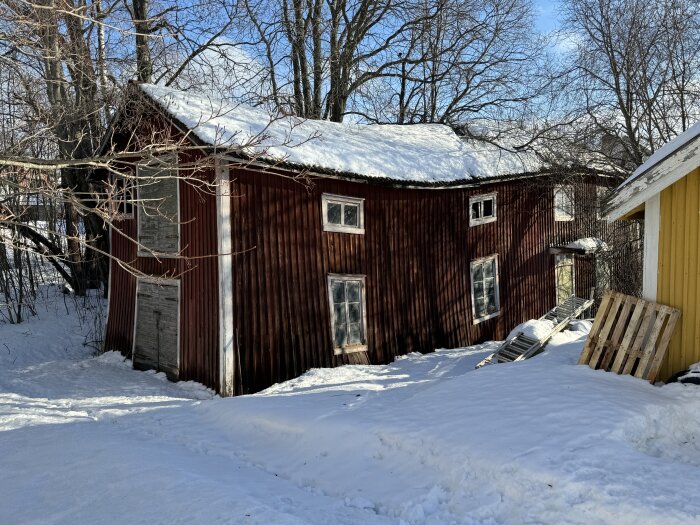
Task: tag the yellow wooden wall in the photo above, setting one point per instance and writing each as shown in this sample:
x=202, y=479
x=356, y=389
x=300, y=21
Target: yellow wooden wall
x=679, y=269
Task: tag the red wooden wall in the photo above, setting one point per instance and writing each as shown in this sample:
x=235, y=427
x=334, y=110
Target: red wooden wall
x=415, y=254
x=198, y=271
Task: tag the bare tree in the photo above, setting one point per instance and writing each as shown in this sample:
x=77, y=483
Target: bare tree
x=67, y=61
x=399, y=61
x=637, y=72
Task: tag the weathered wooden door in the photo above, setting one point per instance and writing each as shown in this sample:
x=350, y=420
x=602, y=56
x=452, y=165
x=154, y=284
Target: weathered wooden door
x=156, y=330
x=564, y=274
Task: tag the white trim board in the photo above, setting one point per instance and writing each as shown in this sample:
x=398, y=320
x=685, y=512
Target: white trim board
x=652, y=226
x=225, y=277
x=653, y=181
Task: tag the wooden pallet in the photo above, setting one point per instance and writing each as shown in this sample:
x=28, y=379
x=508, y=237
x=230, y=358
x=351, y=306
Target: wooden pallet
x=629, y=336
x=522, y=347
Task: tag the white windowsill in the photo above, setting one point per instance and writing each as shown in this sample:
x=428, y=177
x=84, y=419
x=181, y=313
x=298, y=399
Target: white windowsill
x=338, y=228
x=477, y=222
x=350, y=349
x=490, y=316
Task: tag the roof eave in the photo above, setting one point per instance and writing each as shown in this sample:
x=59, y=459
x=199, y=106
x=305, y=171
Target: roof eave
x=632, y=194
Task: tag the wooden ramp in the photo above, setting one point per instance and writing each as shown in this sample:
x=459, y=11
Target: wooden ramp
x=523, y=347
x=629, y=336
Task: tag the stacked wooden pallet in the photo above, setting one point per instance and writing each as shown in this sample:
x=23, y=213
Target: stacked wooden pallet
x=630, y=336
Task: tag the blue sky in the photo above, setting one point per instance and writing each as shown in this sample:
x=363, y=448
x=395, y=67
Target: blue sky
x=547, y=15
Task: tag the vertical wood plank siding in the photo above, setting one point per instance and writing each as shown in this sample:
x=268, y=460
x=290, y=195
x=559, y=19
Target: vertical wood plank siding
x=678, y=282
x=199, y=306
x=415, y=254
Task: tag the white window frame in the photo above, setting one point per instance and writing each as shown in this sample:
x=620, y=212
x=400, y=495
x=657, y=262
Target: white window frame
x=140, y=251
x=480, y=200
x=559, y=214
x=126, y=199
x=327, y=198
x=566, y=259
x=494, y=258
x=363, y=314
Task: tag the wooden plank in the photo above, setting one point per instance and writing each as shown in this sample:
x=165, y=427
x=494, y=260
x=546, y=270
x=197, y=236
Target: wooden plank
x=656, y=363
x=628, y=337
x=608, y=324
x=595, y=329
x=634, y=350
x=650, y=346
x=614, y=345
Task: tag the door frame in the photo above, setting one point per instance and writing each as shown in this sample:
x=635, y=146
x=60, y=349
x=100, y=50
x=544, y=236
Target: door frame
x=161, y=282
x=557, y=259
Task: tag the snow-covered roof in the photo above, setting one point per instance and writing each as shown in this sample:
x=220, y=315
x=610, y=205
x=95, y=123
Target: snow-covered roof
x=417, y=153
x=673, y=161
x=588, y=245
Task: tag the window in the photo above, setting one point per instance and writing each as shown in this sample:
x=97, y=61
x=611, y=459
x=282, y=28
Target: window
x=563, y=203
x=158, y=208
x=343, y=214
x=346, y=295
x=485, y=301
x=601, y=193
x=482, y=209
x=123, y=197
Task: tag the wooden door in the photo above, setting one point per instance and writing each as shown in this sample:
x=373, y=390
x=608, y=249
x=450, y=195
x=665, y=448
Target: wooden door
x=157, y=326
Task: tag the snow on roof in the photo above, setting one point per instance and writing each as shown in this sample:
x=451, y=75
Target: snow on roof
x=656, y=173
x=588, y=245
x=666, y=150
x=419, y=153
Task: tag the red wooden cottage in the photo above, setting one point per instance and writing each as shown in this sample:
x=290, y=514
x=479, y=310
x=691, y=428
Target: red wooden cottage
x=251, y=248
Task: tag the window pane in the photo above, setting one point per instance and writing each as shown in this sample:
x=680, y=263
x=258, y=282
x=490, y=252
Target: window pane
x=354, y=312
x=340, y=336
x=338, y=289
x=478, y=288
x=489, y=269
x=354, y=334
x=491, y=305
x=339, y=313
x=350, y=216
x=353, y=291
x=479, y=307
x=478, y=272
x=334, y=211
x=476, y=210
x=490, y=285
x=488, y=208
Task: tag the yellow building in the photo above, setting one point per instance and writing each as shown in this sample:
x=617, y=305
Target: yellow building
x=665, y=191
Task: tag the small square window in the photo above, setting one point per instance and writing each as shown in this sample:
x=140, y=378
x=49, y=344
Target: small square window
x=482, y=209
x=123, y=197
x=564, y=203
x=484, y=279
x=346, y=297
x=343, y=214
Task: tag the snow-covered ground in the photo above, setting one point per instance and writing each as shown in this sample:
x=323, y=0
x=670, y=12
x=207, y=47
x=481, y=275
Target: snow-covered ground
x=427, y=439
